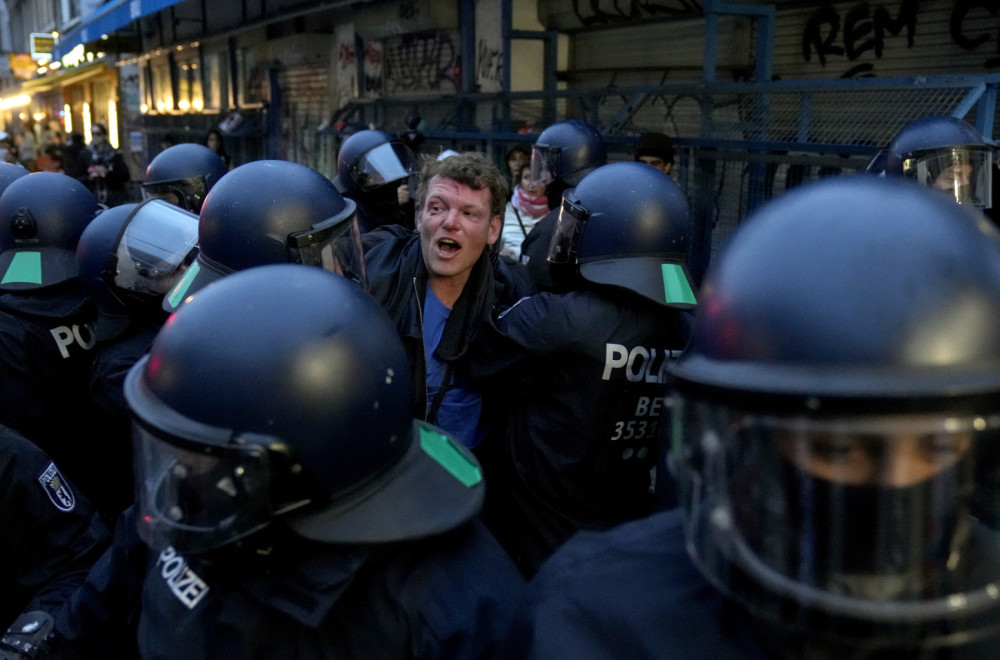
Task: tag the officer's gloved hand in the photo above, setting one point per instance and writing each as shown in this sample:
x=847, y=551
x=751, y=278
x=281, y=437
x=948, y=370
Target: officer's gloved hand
x=27, y=637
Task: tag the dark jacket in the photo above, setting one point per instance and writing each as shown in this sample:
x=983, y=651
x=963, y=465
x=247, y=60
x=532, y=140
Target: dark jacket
x=51, y=533
x=447, y=596
x=577, y=381
x=47, y=340
x=397, y=279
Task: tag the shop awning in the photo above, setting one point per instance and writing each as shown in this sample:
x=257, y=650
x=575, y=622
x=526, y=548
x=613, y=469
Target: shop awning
x=63, y=78
x=105, y=20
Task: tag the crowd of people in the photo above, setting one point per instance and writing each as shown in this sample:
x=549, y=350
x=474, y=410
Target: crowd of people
x=449, y=408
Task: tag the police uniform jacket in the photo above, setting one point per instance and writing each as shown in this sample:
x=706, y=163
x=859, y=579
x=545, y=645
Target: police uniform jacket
x=51, y=534
x=631, y=592
x=579, y=380
x=397, y=279
x=446, y=596
x=47, y=339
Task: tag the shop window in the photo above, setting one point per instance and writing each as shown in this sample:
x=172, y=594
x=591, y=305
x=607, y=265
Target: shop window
x=190, y=97
x=253, y=78
x=216, y=81
x=163, y=93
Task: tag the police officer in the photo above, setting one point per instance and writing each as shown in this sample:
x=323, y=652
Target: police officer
x=373, y=169
x=834, y=417
x=562, y=155
x=47, y=330
x=272, y=211
x=579, y=376
x=183, y=175
x=52, y=535
x=946, y=154
x=292, y=506
x=128, y=258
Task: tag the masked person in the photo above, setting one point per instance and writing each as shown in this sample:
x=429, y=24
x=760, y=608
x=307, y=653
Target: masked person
x=272, y=211
x=103, y=169
x=291, y=505
x=831, y=422
x=183, y=174
x=946, y=154
x=577, y=378
x=373, y=169
x=562, y=155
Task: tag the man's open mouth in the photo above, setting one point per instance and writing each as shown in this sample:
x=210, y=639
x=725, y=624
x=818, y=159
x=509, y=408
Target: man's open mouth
x=448, y=245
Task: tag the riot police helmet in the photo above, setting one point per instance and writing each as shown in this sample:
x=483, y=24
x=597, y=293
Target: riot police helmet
x=272, y=211
x=42, y=216
x=284, y=392
x=835, y=413
x=183, y=175
x=130, y=255
x=567, y=151
x=627, y=225
x=370, y=161
x=946, y=154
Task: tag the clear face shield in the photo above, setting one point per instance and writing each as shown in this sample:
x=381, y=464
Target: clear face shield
x=158, y=243
x=333, y=245
x=964, y=173
x=544, y=164
x=185, y=193
x=572, y=219
x=386, y=163
x=855, y=523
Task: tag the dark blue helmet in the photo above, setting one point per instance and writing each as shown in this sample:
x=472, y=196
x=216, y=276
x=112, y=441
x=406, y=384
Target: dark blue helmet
x=836, y=413
x=272, y=211
x=566, y=151
x=42, y=216
x=285, y=391
x=370, y=160
x=130, y=255
x=627, y=225
x=183, y=175
x=947, y=154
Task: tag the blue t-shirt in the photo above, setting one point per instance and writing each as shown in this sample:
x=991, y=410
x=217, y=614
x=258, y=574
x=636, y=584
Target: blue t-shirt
x=460, y=410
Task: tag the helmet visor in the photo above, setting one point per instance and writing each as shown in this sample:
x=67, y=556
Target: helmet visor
x=200, y=498
x=860, y=519
x=963, y=173
x=158, y=243
x=333, y=245
x=384, y=164
x=572, y=217
x=185, y=193
x=544, y=164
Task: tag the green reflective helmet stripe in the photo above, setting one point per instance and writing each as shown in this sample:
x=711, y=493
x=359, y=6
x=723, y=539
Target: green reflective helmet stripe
x=25, y=267
x=177, y=295
x=676, y=288
x=443, y=449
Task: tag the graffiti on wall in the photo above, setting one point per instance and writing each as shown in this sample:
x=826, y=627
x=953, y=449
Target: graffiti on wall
x=832, y=34
x=605, y=12
x=425, y=62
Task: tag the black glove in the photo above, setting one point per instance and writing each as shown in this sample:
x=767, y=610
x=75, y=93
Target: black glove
x=27, y=637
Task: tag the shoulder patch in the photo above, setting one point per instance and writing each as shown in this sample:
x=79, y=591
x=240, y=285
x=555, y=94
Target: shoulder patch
x=57, y=489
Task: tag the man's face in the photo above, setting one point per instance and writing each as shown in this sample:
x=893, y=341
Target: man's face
x=657, y=162
x=455, y=227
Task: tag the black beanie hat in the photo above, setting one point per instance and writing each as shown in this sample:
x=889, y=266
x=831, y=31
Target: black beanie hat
x=657, y=145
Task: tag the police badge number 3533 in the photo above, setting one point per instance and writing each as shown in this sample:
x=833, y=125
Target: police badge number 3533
x=57, y=489
x=642, y=371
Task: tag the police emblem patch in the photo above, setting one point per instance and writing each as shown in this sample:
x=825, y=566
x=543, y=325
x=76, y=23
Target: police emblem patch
x=57, y=489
